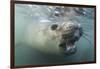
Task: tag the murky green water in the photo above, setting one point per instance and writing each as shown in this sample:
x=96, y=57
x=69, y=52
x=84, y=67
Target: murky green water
x=26, y=52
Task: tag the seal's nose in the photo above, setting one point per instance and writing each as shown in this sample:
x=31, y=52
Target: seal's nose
x=81, y=31
x=78, y=33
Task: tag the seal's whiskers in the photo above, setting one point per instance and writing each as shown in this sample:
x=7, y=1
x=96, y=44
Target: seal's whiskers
x=88, y=35
x=87, y=40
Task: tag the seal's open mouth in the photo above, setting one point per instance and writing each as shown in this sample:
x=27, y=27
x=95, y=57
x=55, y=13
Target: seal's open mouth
x=68, y=46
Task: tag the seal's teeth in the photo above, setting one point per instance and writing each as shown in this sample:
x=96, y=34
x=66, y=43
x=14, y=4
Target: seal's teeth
x=74, y=46
x=79, y=25
x=68, y=48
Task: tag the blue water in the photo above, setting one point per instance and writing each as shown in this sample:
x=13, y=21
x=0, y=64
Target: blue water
x=32, y=16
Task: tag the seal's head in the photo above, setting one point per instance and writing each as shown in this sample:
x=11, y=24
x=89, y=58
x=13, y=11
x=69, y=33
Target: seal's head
x=70, y=33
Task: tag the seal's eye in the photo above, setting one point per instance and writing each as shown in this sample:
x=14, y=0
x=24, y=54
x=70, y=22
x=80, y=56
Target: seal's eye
x=54, y=27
